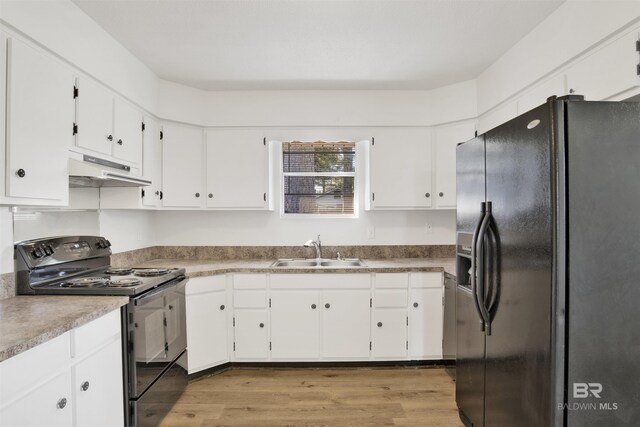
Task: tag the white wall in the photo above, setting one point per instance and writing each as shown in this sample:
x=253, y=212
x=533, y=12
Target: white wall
x=127, y=230
x=572, y=29
x=318, y=108
x=63, y=28
x=6, y=240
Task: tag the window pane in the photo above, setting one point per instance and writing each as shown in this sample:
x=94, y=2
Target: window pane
x=319, y=194
x=318, y=156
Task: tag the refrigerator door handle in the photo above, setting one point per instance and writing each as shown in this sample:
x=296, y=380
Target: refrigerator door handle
x=480, y=290
x=474, y=258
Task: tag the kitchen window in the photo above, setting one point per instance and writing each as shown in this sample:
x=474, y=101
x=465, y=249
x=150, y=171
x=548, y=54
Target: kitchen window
x=319, y=179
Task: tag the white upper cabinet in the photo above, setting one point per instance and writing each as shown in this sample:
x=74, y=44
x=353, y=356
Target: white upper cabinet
x=538, y=94
x=608, y=71
x=446, y=139
x=107, y=126
x=127, y=132
x=152, y=162
x=182, y=163
x=94, y=117
x=497, y=116
x=399, y=169
x=237, y=169
x=39, y=120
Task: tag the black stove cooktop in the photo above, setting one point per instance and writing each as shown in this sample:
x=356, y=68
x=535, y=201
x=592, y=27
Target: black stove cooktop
x=80, y=265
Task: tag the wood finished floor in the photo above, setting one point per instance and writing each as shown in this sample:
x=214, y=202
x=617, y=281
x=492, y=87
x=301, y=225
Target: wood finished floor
x=423, y=396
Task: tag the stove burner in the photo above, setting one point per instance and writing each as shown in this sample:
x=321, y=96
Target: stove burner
x=150, y=272
x=85, y=282
x=119, y=271
x=125, y=283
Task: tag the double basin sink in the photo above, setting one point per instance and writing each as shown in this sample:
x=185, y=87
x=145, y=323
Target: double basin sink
x=322, y=262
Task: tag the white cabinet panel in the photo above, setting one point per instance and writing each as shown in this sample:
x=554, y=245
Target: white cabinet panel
x=152, y=162
x=425, y=323
x=249, y=281
x=608, y=71
x=538, y=94
x=251, y=338
x=389, y=334
x=387, y=298
x=127, y=125
x=425, y=279
x=249, y=299
x=50, y=405
x=346, y=321
x=182, y=166
x=94, y=117
x=206, y=329
x=400, y=169
x=40, y=112
x=497, y=117
x=98, y=389
x=391, y=280
x=230, y=186
x=295, y=325
x=446, y=140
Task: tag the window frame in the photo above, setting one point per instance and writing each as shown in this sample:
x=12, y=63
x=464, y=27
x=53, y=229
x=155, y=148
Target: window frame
x=356, y=188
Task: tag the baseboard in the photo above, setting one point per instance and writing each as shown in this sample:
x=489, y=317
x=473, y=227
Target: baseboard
x=357, y=364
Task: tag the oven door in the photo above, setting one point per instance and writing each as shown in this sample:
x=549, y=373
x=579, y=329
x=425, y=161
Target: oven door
x=156, y=332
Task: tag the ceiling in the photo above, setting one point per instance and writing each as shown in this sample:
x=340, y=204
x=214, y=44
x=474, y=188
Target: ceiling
x=317, y=44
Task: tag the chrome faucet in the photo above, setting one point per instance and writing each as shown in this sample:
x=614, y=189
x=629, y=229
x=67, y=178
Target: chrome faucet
x=317, y=244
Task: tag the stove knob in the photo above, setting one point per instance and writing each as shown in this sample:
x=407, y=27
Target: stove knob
x=107, y=244
x=51, y=250
x=36, y=253
x=48, y=250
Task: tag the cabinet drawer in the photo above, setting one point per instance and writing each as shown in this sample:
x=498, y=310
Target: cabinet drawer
x=249, y=281
x=425, y=280
x=94, y=334
x=199, y=285
x=250, y=299
x=392, y=280
x=390, y=298
x=24, y=371
x=321, y=281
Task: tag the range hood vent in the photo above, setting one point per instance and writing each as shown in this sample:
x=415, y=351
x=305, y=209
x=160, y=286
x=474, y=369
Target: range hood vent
x=94, y=172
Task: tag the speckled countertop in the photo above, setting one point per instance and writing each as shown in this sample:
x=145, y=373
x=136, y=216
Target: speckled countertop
x=26, y=321
x=197, y=268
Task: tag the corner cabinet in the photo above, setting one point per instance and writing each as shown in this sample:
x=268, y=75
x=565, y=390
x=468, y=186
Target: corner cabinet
x=207, y=322
x=182, y=166
x=38, y=127
x=399, y=169
x=75, y=379
x=237, y=169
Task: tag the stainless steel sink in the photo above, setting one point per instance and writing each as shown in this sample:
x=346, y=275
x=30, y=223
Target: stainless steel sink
x=323, y=262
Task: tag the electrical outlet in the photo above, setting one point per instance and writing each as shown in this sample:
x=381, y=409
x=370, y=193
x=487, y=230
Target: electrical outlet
x=429, y=228
x=371, y=232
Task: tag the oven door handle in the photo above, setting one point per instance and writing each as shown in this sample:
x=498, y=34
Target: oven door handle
x=158, y=290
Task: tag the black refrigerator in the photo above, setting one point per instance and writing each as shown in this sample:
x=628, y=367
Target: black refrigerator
x=548, y=268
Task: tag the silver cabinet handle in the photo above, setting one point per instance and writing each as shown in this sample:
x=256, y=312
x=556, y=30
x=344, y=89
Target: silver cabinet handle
x=62, y=403
x=85, y=386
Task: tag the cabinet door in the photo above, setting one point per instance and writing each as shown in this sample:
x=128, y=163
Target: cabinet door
x=425, y=323
x=400, y=169
x=446, y=140
x=608, y=71
x=152, y=162
x=251, y=338
x=231, y=186
x=98, y=388
x=389, y=335
x=50, y=404
x=206, y=330
x=127, y=142
x=182, y=166
x=295, y=325
x=346, y=324
x=40, y=113
x=94, y=117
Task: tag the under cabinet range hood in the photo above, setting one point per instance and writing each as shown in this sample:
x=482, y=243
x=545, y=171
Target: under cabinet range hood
x=95, y=172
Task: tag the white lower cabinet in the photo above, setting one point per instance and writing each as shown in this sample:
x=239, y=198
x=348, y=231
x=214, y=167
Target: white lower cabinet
x=425, y=323
x=389, y=334
x=207, y=325
x=295, y=321
x=346, y=324
x=251, y=335
x=75, y=379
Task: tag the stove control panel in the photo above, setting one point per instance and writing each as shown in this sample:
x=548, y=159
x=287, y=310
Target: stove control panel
x=55, y=250
x=42, y=251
